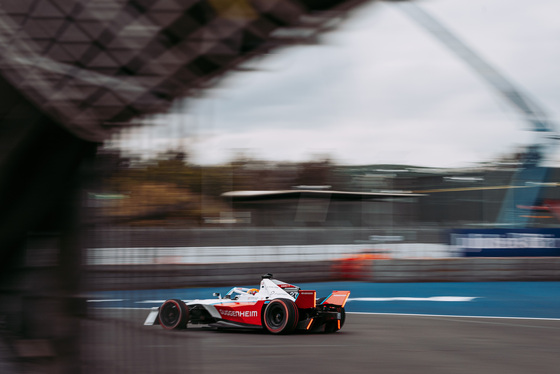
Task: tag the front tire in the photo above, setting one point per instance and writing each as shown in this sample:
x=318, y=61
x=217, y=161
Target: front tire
x=281, y=316
x=173, y=315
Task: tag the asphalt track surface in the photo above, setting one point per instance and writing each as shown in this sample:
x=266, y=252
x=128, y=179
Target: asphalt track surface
x=366, y=344
x=117, y=342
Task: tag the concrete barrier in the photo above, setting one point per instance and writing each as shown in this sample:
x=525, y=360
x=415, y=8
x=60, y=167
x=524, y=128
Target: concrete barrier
x=123, y=277
x=118, y=277
x=464, y=270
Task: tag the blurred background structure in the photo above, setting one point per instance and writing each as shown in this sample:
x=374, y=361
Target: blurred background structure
x=79, y=216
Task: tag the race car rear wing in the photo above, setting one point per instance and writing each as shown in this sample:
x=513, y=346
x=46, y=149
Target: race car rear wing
x=337, y=298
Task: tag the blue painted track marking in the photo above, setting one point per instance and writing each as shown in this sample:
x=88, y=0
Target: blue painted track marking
x=492, y=299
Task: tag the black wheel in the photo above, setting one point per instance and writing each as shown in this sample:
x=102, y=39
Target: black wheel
x=281, y=316
x=334, y=326
x=173, y=315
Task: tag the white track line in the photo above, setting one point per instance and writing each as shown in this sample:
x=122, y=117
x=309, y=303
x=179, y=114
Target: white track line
x=433, y=298
x=455, y=316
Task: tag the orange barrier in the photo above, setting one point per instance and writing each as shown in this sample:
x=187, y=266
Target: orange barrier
x=357, y=267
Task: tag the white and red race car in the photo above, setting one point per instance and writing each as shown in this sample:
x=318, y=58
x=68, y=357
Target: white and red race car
x=278, y=307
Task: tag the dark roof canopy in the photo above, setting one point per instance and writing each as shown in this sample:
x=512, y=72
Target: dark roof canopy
x=318, y=194
x=92, y=65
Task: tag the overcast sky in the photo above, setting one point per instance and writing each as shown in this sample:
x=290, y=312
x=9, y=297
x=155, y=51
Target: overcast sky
x=380, y=89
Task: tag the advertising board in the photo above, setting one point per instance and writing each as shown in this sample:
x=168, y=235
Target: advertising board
x=506, y=242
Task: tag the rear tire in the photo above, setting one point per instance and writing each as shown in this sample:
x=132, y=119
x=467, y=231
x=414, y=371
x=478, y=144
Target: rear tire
x=173, y=315
x=281, y=316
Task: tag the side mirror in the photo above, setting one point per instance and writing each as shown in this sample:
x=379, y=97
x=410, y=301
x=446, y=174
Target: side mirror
x=217, y=294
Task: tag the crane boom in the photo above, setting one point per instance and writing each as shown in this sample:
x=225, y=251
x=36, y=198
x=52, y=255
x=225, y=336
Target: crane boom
x=518, y=99
x=531, y=173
